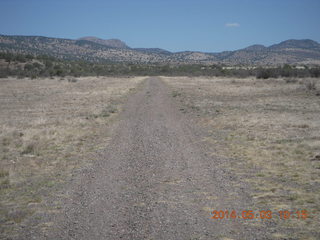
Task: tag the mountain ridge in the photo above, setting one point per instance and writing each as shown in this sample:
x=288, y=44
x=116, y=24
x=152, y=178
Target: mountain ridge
x=292, y=51
x=116, y=43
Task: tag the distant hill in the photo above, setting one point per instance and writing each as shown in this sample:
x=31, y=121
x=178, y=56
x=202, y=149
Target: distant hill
x=306, y=44
x=256, y=47
x=153, y=50
x=286, y=52
x=113, y=50
x=115, y=43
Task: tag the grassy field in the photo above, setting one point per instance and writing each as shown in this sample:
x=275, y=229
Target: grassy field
x=270, y=131
x=48, y=128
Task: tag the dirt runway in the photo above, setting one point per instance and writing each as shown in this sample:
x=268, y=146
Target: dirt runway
x=156, y=180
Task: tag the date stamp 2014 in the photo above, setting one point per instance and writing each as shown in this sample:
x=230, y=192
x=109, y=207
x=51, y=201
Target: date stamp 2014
x=264, y=214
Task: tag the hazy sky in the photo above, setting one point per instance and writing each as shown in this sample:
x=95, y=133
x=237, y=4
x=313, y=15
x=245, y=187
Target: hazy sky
x=176, y=25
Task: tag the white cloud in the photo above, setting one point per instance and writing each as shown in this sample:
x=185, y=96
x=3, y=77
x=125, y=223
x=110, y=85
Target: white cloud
x=232, y=25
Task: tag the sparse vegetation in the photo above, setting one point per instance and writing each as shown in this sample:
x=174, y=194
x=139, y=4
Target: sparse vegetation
x=72, y=80
x=46, y=132
x=108, y=111
x=29, y=149
x=269, y=132
x=3, y=173
x=175, y=93
x=45, y=66
x=291, y=80
x=311, y=84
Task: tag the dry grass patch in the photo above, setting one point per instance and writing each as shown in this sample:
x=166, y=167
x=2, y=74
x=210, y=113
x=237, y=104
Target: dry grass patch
x=270, y=131
x=49, y=127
